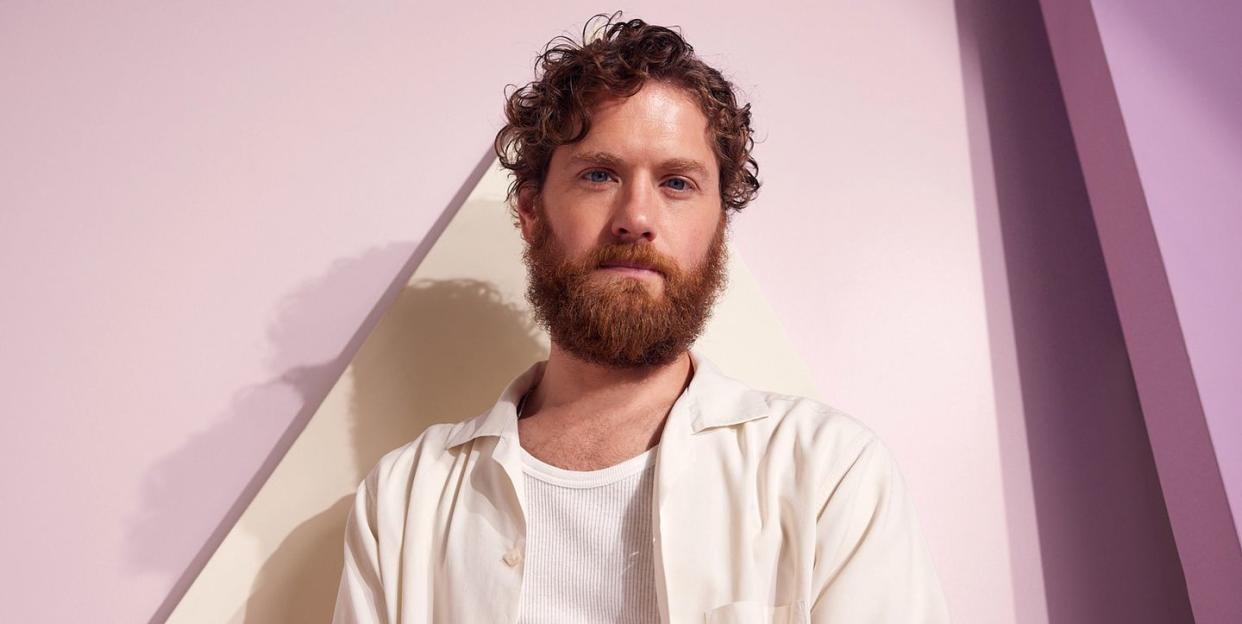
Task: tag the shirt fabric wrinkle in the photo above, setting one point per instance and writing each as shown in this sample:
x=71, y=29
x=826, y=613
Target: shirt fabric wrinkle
x=765, y=507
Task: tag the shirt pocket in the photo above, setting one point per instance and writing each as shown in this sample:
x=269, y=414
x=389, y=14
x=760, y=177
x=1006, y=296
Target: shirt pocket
x=751, y=612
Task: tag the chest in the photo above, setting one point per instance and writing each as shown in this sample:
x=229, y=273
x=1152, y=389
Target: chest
x=589, y=552
x=726, y=532
x=588, y=444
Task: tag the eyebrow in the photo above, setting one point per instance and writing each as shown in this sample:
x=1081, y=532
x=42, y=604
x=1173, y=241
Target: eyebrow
x=676, y=165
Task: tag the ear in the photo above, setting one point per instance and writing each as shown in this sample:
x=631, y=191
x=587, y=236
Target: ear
x=527, y=209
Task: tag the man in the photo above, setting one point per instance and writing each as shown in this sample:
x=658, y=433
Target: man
x=625, y=479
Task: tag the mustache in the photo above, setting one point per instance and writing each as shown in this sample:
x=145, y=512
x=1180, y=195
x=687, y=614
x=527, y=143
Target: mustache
x=643, y=255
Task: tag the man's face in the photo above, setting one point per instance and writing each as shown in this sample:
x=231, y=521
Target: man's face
x=625, y=241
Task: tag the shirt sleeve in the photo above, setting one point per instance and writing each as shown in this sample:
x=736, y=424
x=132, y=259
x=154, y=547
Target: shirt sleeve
x=360, y=597
x=871, y=560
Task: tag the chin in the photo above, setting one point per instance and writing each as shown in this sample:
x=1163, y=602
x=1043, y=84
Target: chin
x=631, y=286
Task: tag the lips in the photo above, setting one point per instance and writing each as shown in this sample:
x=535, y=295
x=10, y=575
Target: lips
x=628, y=265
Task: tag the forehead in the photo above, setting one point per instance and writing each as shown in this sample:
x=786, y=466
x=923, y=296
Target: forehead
x=658, y=123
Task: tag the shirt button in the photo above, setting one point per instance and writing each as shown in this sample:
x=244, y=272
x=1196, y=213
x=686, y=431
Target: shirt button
x=513, y=557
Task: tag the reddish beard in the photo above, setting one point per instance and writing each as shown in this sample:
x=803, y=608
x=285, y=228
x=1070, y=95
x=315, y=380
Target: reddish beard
x=616, y=321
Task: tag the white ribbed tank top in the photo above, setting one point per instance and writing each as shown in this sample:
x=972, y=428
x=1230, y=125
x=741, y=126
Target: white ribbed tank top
x=588, y=543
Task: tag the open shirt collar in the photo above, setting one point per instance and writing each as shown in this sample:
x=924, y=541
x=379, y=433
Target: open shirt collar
x=711, y=399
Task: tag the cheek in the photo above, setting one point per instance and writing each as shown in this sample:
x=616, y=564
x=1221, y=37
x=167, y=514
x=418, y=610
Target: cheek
x=691, y=253
x=577, y=234
x=569, y=242
x=707, y=234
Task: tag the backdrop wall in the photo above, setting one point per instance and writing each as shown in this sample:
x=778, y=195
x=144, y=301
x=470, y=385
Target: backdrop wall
x=207, y=209
x=1153, y=94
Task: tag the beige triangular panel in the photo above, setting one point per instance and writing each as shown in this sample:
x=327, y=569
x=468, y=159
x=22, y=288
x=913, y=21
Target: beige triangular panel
x=451, y=341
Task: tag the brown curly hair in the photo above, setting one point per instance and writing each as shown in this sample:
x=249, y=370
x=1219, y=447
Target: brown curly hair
x=555, y=109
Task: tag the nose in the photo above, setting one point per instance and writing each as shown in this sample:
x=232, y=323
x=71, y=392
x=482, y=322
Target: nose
x=633, y=218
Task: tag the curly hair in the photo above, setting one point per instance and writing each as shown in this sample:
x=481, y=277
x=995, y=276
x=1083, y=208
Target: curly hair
x=556, y=108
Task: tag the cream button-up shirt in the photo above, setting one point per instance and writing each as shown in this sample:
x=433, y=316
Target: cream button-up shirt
x=767, y=508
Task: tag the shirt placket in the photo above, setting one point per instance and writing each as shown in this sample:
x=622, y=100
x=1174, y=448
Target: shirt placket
x=512, y=556
x=670, y=461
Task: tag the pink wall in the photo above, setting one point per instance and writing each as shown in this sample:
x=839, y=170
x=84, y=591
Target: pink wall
x=1105, y=542
x=1154, y=93
x=203, y=205
x=200, y=204
x=1176, y=70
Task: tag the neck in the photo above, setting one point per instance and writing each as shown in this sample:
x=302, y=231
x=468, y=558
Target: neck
x=572, y=386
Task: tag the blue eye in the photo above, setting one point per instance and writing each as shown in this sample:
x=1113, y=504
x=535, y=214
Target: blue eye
x=593, y=176
x=684, y=185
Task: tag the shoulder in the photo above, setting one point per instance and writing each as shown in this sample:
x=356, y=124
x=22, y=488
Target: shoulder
x=822, y=440
x=395, y=471
x=813, y=423
x=775, y=421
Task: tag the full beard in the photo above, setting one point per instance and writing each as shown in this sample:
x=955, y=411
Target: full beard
x=616, y=321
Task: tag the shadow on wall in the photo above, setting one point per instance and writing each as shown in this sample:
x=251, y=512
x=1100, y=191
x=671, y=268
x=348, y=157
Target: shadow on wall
x=184, y=492
x=1105, y=540
x=1194, y=51
x=199, y=480
x=443, y=352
